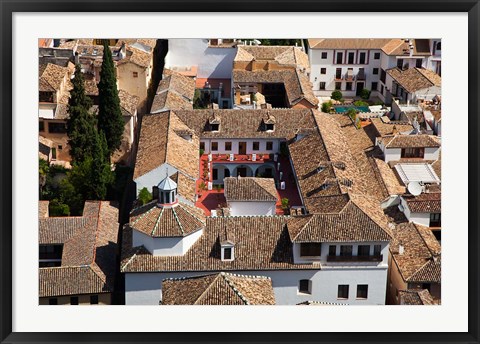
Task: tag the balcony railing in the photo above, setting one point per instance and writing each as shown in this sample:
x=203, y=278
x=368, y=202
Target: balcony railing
x=376, y=258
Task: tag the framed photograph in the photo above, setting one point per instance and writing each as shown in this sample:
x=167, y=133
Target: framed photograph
x=190, y=223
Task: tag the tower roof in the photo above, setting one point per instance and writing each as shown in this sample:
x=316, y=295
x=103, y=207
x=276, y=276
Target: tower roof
x=167, y=184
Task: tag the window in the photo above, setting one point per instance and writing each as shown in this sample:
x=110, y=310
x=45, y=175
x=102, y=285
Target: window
x=418, y=63
x=439, y=46
x=256, y=146
x=269, y=127
x=338, y=85
x=377, y=249
x=94, y=299
x=375, y=71
x=135, y=74
x=346, y=250
x=41, y=126
x=435, y=220
x=202, y=146
x=310, y=249
x=338, y=73
x=351, y=58
x=348, y=86
x=74, y=300
x=324, y=55
x=58, y=128
x=214, y=146
x=383, y=76
x=323, y=70
x=322, y=85
x=214, y=126
x=376, y=56
x=339, y=58
x=342, y=291
x=374, y=86
x=226, y=173
x=215, y=174
x=60, y=147
x=362, y=58
x=269, y=145
x=53, y=301
x=400, y=63
x=304, y=286
x=363, y=250
x=412, y=152
x=362, y=291
x=332, y=250
x=227, y=253
x=228, y=146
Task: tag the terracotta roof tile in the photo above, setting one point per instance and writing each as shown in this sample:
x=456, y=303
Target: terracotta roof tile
x=266, y=249
x=414, y=79
x=297, y=84
x=160, y=143
x=136, y=56
x=388, y=178
x=384, y=126
x=425, y=203
x=410, y=141
x=420, y=261
x=51, y=77
x=415, y=297
x=250, y=189
x=218, y=289
x=128, y=103
x=89, y=251
x=176, y=221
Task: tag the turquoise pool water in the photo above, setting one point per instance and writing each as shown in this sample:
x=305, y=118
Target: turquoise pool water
x=342, y=109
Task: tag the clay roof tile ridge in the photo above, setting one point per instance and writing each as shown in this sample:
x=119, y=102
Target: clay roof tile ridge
x=235, y=290
x=178, y=221
x=158, y=220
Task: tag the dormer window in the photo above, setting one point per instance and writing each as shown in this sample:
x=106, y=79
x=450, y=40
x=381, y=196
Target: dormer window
x=214, y=122
x=270, y=127
x=215, y=127
x=227, y=252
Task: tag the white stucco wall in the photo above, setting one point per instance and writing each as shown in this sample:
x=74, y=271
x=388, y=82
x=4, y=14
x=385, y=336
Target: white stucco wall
x=171, y=246
x=145, y=288
x=251, y=208
x=394, y=154
x=316, y=62
x=249, y=142
x=212, y=62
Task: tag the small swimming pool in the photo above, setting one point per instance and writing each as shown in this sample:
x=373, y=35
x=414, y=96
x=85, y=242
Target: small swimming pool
x=342, y=109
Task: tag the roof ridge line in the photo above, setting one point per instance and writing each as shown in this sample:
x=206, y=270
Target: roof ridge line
x=208, y=288
x=191, y=213
x=235, y=290
x=178, y=220
x=122, y=268
x=156, y=222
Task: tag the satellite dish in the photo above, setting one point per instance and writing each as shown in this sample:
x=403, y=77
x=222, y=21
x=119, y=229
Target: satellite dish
x=414, y=188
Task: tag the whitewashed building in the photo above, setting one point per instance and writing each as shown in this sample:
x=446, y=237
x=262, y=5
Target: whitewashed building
x=250, y=196
x=306, y=258
x=416, y=146
x=350, y=65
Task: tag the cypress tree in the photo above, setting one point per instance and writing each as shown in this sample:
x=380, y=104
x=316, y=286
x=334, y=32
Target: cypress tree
x=110, y=119
x=81, y=124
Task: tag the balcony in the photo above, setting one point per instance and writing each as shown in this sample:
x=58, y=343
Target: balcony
x=355, y=259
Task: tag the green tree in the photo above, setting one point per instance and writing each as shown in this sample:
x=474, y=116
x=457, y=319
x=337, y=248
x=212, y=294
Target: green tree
x=57, y=208
x=337, y=95
x=89, y=179
x=110, y=119
x=365, y=94
x=327, y=106
x=144, y=196
x=81, y=124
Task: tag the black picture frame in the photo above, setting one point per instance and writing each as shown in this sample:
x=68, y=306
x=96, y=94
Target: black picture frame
x=8, y=7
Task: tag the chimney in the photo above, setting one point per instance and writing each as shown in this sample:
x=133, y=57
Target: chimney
x=77, y=58
x=401, y=249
